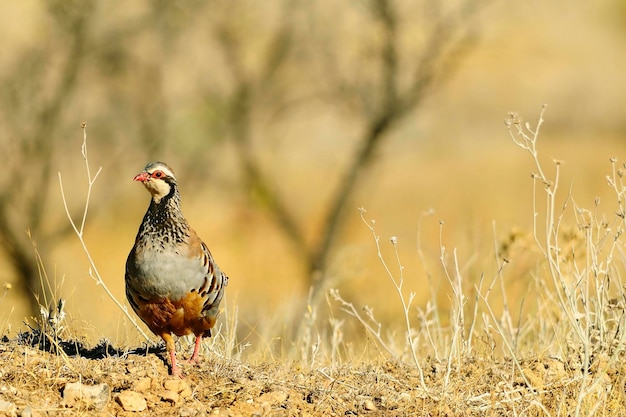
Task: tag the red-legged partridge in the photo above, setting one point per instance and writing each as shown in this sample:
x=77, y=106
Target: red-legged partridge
x=172, y=281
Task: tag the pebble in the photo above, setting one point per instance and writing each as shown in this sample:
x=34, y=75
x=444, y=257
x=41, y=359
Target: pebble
x=405, y=396
x=93, y=397
x=27, y=412
x=170, y=396
x=7, y=407
x=179, y=386
x=142, y=384
x=132, y=401
x=369, y=405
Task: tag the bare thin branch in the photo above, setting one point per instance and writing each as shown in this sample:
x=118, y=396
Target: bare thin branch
x=93, y=270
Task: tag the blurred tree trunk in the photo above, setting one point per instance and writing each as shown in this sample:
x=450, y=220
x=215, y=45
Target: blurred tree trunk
x=25, y=197
x=381, y=104
x=37, y=91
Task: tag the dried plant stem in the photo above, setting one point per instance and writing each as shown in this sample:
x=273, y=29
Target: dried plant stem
x=349, y=308
x=525, y=136
x=581, y=280
x=406, y=304
x=93, y=269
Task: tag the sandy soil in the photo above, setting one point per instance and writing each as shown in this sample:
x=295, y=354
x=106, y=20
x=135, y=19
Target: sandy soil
x=39, y=378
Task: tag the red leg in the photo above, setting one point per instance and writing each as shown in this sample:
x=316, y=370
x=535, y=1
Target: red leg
x=171, y=349
x=196, y=350
x=175, y=368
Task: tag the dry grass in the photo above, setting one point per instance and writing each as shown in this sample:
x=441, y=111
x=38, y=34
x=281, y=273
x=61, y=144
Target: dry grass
x=472, y=386
x=557, y=349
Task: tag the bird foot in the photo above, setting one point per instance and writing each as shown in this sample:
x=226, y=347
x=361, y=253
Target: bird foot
x=174, y=369
x=192, y=361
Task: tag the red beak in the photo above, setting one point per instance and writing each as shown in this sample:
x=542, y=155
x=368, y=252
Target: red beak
x=142, y=176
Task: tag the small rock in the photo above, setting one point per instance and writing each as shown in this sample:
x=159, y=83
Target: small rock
x=273, y=397
x=369, y=405
x=7, y=407
x=27, y=412
x=185, y=393
x=172, y=384
x=8, y=388
x=92, y=397
x=178, y=386
x=132, y=401
x=142, y=384
x=170, y=396
x=533, y=378
x=135, y=370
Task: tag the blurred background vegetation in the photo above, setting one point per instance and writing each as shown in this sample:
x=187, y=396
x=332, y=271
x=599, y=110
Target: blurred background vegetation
x=281, y=118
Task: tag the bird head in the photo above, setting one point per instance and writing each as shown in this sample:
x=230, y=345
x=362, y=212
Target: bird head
x=159, y=179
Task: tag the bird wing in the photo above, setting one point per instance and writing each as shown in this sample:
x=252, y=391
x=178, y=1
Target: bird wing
x=212, y=288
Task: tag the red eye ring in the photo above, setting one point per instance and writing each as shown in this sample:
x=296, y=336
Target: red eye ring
x=157, y=174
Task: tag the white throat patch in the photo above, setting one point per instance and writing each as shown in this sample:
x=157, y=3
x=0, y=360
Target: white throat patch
x=158, y=188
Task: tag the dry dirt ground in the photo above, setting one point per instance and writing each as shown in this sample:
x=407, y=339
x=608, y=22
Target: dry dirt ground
x=38, y=378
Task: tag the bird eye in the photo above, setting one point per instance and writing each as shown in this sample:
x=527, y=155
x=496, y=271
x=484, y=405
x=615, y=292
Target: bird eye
x=158, y=174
